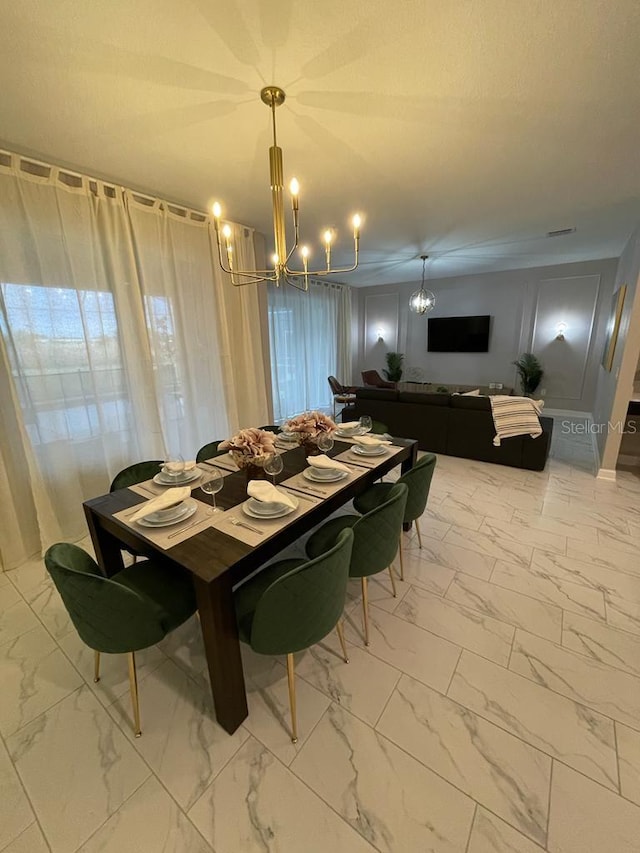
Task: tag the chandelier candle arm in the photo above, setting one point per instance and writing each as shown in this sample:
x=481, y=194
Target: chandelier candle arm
x=274, y=96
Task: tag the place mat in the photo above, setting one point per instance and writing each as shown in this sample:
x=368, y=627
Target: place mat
x=268, y=526
x=225, y=460
x=193, y=525
x=322, y=490
x=209, y=462
x=369, y=461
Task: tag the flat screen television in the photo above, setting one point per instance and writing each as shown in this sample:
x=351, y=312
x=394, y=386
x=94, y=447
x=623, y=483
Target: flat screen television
x=458, y=334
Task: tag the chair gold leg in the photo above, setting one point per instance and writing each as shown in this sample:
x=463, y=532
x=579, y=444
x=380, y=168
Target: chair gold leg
x=96, y=667
x=133, y=684
x=291, y=676
x=340, y=631
x=418, y=531
x=401, y=560
x=393, y=582
x=365, y=609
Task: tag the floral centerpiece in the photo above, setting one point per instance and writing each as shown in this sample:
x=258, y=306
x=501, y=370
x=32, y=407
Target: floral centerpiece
x=250, y=449
x=308, y=428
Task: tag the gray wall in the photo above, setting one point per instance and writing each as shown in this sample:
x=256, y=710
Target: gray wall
x=525, y=307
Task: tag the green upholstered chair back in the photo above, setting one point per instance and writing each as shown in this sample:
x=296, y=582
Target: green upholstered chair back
x=272, y=428
x=304, y=605
x=137, y=473
x=108, y=616
x=376, y=534
x=418, y=479
x=209, y=451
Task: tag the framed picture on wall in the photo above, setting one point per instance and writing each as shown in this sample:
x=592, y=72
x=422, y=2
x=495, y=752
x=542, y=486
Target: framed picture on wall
x=613, y=327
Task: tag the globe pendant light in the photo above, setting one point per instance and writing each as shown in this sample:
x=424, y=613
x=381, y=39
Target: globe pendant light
x=422, y=300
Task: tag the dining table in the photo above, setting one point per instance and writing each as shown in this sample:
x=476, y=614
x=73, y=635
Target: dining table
x=222, y=549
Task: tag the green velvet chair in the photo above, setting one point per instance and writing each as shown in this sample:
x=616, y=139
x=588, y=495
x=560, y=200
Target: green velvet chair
x=132, y=474
x=272, y=428
x=293, y=604
x=134, y=609
x=378, y=428
x=418, y=480
x=209, y=451
x=137, y=473
x=375, y=542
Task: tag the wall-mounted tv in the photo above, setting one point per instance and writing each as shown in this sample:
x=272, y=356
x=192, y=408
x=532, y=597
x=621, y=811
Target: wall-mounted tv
x=458, y=334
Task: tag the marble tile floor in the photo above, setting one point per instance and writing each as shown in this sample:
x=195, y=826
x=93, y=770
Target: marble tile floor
x=497, y=709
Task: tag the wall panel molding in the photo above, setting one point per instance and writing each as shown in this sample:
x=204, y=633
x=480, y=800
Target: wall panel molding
x=573, y=300
x=380, y=311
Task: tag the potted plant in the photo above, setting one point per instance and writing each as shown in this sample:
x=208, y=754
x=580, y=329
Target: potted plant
x=394, y=366
x=530, y=372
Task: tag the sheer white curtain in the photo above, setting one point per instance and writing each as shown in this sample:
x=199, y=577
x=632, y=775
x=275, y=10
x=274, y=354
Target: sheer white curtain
x=111, y=349
x=310, y=340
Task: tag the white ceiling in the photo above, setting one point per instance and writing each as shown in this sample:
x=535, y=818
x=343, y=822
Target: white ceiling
x=463, y=129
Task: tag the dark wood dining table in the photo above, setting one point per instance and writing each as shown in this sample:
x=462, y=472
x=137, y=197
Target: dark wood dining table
x=217, y=562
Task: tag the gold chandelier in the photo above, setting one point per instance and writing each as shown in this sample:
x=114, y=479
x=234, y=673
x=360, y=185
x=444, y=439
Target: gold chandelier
x=273, y=97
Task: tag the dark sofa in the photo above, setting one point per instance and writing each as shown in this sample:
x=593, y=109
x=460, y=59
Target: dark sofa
x=452, y=424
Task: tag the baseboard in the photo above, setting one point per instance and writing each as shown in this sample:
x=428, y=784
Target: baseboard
x=566, y=413
x=628, y=460
x=606, y=474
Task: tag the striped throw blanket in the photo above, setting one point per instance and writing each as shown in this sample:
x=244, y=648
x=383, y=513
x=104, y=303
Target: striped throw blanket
x=515, y=416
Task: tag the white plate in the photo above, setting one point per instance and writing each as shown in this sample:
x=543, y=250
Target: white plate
x=286, y=510
x=349, y=433
x=187, y=477
x=308, y=474
x=365, y=451
x=265, y=509
x=190, y=507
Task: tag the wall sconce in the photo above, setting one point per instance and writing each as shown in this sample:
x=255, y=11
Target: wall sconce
x=380, y=335
x=561, y=328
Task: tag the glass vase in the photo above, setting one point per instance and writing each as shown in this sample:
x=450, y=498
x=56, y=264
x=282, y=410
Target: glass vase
x=255, y=472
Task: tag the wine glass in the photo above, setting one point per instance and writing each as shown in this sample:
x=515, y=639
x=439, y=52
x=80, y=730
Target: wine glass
x=325, y=441
x=211, y=486
x=366, y=424
x=274, y=466
x=174, y=465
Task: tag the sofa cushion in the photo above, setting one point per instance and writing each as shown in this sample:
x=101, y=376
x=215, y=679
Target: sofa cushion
x=424, y=399
x=376, y=393
x=475, y=404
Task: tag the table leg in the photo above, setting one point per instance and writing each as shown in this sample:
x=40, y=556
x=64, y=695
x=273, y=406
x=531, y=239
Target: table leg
x=222, y=648
x=107, y=548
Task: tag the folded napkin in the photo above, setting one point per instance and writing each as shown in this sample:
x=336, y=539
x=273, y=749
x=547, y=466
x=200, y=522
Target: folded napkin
x=263, y=491
x=349, y=425
x=323, y=461
x=163, y=501
x=370, y=440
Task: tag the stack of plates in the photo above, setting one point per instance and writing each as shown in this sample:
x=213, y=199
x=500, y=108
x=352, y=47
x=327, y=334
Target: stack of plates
x=171, y=515
x=341, y=432
x=326, y=475
x=262, y=509
x=374, y=450
x=164, y=479
x=286, y=439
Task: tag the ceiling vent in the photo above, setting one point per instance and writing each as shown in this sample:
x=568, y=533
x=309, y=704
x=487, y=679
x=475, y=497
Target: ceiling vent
x=561, y=232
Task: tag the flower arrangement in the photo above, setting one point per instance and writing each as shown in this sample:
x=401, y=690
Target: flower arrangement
x=250, y=447
x=308, y=427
